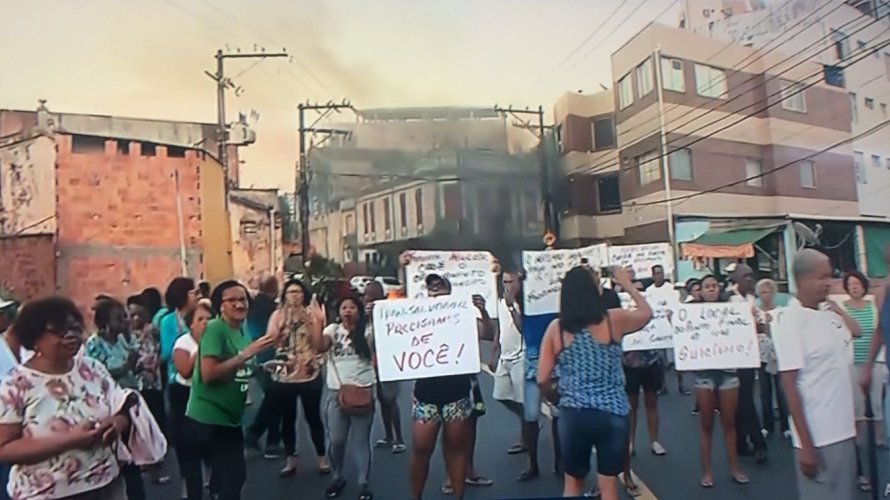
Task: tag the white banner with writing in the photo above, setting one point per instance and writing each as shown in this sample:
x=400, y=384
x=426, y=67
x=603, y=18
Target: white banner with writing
x=658, y=332
x=470, y=273
x=422, y=338
x=545, y=269
x=641, y=258
x=715, y=336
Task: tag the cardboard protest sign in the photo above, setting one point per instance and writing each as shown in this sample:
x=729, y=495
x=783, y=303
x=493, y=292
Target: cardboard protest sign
x=545, y=269
x=641, y=258
x=424, y=338
x=470, y=273
x=715, y=336
x=658, y=333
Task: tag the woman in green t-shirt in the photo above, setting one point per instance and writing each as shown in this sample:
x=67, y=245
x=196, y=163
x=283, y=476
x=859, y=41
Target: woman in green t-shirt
x=219, y=391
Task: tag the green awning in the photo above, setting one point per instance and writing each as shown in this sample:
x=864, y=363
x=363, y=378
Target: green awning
x=734, y=238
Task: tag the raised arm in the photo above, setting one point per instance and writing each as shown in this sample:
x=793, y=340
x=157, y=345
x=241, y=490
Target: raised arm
x=625, y=322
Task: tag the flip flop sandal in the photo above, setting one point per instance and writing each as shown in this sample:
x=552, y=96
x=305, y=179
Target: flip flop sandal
x=516, y=449
x=161, y=481
x=864, y=484
x=447, y=489
x=399, y=448
x=382, y=443
x=324, y=471
x=527, y=475
x=335, y=490
x=479, y=481
x=741, y=479
x=706, y=484
x=632, y=490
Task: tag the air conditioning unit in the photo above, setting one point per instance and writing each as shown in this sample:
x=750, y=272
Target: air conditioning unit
x=240, y=134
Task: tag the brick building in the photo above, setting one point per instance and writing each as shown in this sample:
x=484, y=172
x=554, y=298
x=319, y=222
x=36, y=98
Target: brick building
x=100, y=204
x=257, y=249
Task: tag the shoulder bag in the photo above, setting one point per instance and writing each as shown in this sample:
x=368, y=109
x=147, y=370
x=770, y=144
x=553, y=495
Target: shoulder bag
x=354, y=400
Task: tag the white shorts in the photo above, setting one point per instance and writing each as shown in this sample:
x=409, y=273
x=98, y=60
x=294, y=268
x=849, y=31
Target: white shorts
x=878, y=377
x=509, y=380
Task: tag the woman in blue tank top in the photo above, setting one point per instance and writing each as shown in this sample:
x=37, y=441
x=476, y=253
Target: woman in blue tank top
x=584, y=345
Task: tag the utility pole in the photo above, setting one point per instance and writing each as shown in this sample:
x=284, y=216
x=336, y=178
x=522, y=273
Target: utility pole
x=304, y=175
x=551, y=226
x=221, y=84
x=665, y=162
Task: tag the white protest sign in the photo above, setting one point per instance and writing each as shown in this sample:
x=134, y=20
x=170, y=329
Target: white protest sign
x=545, y=269
x=470, y=273
x=424, y=338
x=715, y=336
x=641, y=258
x=658, y=332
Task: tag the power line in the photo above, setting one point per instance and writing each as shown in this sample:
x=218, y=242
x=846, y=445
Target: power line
x=756, y=52
x=738, y=96
x=592, y=34
x=768, y=172
x=784, y=95
x=617, y=26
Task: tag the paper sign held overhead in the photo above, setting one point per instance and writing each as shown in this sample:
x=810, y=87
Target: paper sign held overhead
x=545, y=269
x=715, y=336
x=641, y=258
x=658, y=333
x=424, y=338
x=470, y=273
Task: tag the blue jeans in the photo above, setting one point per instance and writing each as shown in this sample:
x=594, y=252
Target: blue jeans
x=581, y=430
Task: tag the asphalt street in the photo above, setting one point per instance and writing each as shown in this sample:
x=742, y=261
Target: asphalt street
x=674, y=476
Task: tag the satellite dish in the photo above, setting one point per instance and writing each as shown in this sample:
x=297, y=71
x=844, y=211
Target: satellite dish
x=806, y=237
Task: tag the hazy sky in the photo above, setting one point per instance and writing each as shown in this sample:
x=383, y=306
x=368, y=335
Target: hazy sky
x=147, y=58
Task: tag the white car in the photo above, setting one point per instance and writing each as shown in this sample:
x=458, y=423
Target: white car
x=360, y=282
x=389, y=284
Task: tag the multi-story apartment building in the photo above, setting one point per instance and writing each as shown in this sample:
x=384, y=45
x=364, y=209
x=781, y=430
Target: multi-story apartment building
x=848, y=39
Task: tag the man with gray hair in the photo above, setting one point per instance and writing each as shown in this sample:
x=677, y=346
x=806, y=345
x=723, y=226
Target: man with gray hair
x=812, y=336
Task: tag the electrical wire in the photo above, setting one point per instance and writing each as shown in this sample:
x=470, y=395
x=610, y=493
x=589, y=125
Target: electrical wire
x=592, y=34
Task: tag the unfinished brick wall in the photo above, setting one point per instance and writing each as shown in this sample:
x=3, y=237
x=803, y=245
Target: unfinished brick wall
x=118, y=225
x=27, y=267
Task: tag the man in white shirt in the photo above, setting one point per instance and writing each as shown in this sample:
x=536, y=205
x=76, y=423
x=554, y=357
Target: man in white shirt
x=663, y=290
x=811, y=339
x=508, y=363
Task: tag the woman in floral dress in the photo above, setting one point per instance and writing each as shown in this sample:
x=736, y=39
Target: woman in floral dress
x=57, y=412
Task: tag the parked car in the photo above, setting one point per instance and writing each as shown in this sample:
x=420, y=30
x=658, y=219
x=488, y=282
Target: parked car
x=360, y=282
x=389, y=284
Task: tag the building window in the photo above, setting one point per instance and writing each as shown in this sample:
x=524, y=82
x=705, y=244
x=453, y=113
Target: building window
x=87, y=144
x=793, y=96
x=680, y=163
x=841, y=44
x=883, y=109
x=869, y=103
x=149, y=149
x=175, y=152
x=672, y=74
x=854, y=108
x=530, y=204
x=649, y=165
x=754, y=172
x=603, y=134
x=644, y=78
x=834, y=75
x=862, y=46
x=876, y=161
x=373, y=218
x=365, y=218
x=625, y=92
x=609, y=193
x=403, y=209
x=387, y=214
x=418, y=205
x=710, y=81
x=859, y=167
x=808, y=174
x=123, y=147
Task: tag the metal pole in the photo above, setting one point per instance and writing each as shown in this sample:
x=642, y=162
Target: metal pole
x=545, y=177
x=304, y=194
x=221, y=117
x=665, y=162
x=183, y=259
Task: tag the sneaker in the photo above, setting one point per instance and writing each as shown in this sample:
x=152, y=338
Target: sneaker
x=658, y=450
x=273, y=452
x=764, y=433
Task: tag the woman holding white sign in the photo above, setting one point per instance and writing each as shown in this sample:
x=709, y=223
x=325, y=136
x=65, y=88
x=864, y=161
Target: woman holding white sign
x=584, y=345
x=708, y=384
x=350, y=378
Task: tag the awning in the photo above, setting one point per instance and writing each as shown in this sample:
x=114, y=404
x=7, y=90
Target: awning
x=728, y=244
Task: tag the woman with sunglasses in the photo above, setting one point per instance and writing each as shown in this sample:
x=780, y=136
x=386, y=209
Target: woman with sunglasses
x=296, y=373
x=219, y=391
x=57, y=412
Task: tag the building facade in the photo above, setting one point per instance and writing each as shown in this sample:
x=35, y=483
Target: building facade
x=98, y=204
x=256, y=224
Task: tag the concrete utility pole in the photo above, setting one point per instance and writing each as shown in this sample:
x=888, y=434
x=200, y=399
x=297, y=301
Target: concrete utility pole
x=304, y=175
x=551, y=224
x=221, y=84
